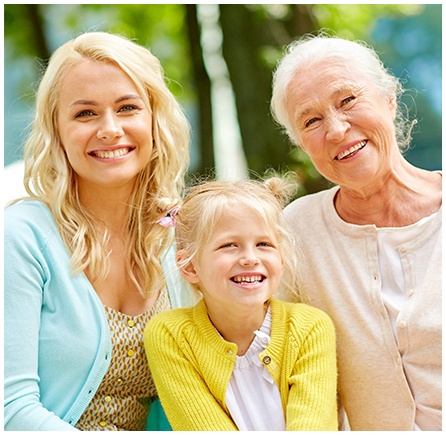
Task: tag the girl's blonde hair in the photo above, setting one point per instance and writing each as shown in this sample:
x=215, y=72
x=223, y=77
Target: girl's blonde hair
x=50, y=178
x=313, y=48
x=207, y=202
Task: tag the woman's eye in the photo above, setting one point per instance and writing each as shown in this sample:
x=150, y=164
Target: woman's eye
x=84, y=113
x=128, y=108
x=347, y=100
x=311, y=121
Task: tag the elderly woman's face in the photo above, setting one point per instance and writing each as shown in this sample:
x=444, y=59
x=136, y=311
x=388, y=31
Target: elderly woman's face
x=344, y=122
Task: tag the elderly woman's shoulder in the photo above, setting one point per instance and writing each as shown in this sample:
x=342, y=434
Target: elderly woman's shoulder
x=310, y=204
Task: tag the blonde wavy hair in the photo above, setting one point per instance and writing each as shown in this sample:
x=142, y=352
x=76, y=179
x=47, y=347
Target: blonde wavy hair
x=208, y=201
x=50, y=178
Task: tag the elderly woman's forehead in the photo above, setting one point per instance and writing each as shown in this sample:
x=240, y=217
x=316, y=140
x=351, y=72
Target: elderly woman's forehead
x=333, y=73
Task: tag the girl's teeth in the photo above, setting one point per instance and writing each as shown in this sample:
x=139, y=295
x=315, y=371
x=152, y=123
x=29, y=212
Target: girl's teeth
x=351, y=150
x=248, y=279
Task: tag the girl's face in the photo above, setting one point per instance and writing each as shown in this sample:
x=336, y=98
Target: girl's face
x=344, y=122
x=105, y=127
x=241, y=265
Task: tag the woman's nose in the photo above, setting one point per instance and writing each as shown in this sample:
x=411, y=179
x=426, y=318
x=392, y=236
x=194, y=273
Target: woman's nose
x=337, y=127
x=110, y=128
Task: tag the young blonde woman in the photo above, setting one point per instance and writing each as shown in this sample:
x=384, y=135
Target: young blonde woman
x=241, y=359
x=84, y=255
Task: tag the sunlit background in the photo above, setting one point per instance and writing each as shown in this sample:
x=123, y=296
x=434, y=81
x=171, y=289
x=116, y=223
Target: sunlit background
x=219, y=59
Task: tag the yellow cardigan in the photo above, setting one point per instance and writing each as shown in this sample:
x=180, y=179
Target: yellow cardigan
x=191, y=365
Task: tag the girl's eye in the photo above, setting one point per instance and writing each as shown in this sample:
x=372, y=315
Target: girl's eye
x=227, y=245
x=266, y=244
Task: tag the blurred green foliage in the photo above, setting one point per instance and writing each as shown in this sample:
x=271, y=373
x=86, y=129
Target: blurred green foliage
x=408, y=36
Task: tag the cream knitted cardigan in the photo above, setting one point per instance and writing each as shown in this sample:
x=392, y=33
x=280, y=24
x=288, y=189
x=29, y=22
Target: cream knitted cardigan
x=191, y=366
x=381, y=381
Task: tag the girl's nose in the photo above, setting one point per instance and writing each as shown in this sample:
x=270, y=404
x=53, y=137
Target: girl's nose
x=249, y=259
x=109, y=128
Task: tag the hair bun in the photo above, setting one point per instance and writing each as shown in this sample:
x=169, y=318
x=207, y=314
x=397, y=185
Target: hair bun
x=283, y=187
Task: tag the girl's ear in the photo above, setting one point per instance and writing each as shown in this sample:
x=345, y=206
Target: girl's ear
x=186, y=267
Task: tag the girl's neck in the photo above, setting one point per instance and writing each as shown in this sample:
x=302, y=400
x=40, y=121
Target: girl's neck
x=239, y=329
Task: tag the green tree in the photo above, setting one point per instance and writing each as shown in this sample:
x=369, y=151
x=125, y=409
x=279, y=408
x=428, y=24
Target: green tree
x=253, y=39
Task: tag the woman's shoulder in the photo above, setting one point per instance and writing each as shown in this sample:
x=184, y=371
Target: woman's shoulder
x=315, y=209
x=311, y=203
x=28, y=217
x=27, y=210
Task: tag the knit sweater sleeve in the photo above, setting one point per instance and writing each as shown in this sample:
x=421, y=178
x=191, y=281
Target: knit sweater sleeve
x=170, y=342
x=312, y=402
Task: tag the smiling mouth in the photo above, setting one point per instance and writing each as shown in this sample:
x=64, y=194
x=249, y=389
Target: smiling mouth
x=251, y=279
x=352, y=150
x=110, y=154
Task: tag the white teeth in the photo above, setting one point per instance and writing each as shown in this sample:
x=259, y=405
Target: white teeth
x=351, y=150
x=111, y=154
x=248, y=279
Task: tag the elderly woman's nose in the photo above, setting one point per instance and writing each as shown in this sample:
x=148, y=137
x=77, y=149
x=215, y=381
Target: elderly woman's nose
x=337, y=127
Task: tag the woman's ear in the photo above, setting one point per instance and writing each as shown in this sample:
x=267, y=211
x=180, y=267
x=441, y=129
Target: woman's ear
x=393, y=106
x=186, y=267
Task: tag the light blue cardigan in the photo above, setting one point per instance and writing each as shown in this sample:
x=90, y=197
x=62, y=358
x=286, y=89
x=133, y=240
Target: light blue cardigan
x=57, y=344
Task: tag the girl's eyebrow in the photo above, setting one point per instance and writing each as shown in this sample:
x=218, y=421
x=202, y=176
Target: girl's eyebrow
x=94, y=103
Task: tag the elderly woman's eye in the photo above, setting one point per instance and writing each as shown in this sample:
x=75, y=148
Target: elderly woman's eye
x=347, y=100
x=311, y=121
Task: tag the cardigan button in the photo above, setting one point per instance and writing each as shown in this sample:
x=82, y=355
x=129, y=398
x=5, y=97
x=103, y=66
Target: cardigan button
x=267, y=359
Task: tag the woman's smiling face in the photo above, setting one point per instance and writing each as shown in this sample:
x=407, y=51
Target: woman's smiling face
x=104, y=124
x=344, y=122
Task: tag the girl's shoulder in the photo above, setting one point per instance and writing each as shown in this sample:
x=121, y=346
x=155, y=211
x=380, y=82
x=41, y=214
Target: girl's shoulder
x=173, y=320
x=181, y=322
x=300, y=313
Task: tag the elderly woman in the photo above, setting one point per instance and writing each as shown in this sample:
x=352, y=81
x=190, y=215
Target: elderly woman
x=372, y=243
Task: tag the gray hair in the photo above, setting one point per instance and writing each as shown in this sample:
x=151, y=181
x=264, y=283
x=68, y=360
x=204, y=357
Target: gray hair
x=310, y=49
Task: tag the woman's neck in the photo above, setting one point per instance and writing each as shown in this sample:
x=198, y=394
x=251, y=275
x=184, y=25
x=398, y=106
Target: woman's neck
x=402, y=198
x=110, y=206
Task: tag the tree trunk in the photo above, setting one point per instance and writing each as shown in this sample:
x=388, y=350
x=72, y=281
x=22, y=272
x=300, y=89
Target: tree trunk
x=244, y=36
x=203, y=86
x=36, y=31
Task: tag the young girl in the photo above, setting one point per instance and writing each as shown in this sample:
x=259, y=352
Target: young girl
x=241, y=359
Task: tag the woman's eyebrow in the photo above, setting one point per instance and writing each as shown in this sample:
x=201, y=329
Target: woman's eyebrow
x=94, y=103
